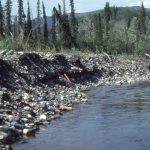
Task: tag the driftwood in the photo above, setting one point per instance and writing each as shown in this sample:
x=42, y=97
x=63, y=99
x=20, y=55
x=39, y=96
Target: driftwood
x=147, y=56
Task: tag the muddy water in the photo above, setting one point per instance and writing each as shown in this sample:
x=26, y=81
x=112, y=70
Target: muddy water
x=115, y=118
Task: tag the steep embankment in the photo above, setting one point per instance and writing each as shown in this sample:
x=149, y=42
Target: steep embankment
x=34, y=88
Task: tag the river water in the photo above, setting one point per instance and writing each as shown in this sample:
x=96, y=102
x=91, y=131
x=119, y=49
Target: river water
x=114, y=118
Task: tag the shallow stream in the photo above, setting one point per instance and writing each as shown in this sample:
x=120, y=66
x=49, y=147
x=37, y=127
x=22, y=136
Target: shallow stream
x=114, y=118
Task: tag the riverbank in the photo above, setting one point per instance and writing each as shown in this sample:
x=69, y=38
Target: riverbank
x=35, y=89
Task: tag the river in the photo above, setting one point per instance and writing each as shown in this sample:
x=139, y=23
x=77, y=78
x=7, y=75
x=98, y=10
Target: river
x=114, y=118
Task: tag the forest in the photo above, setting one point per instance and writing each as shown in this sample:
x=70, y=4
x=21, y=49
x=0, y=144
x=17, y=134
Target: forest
x=115, y=30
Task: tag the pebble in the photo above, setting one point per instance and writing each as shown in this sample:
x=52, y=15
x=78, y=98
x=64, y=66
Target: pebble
x=43, y=117
x=28, y=132
x=65, y=108
x=25, y=96
x=3, y=136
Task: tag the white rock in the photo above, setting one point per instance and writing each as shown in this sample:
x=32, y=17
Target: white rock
x=79, y=95
x=56, y=116
x=26, y=108
x=24, y=119
x=66, y=108
x=119, y=82
x=84, y=100
x=29, y=125
x=3, y=136
x=130, y=81
x=25, y=96
x=77, y=100
x=43, y=117
x=20, y=53
x=28, y=132
x=57, y=111
x=83, y=95
x=29, y=116
x=61, y=97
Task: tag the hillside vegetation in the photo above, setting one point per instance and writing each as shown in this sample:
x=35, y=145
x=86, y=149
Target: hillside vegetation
x=114, y=30
x=124, y=33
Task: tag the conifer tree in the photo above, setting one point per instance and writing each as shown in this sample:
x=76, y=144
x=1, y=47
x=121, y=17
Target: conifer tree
x=24, y=25
x=34, y=29
x=142, y=15
x=8, y=16
x=59, y=37
x=53, y=30
x=15, y=27
x=98, y=30
x=67, y=39
x=20, y=13
x=66, y=33
x=64, y=21
x=107, y=15
x=59, y=8
x=45, y=29
x=1, y=20
x=128, y=18
x=64, y=6
x=74, y=27
x=38, y=20
x=115, y=11
x=29, y=21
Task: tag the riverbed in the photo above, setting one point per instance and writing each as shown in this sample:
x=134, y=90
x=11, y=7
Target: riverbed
x=114, y=118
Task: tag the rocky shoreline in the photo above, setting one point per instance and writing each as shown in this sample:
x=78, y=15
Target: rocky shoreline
x=36, y=88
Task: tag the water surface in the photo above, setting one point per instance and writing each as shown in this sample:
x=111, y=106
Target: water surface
x=115, y=118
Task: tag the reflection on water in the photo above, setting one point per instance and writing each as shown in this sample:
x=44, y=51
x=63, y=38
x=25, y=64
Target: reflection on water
x=115, y=118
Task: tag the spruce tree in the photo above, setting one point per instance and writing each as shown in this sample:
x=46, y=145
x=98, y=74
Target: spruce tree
x=128, y=18
x=20, y=13
x=1, y=20
x=24, y=25
x=53, y=30
x=66, y=32
x=34, y=31
x=59, y=8
x=142, y=16
x=67, y=39
x=15, y=27
x=59, y=37
x=107, y=15
x=29, y=21
x=45, y=29
x=98, y=30
x=38, y=20
x=8, y=17
x=115, y=12
x=74, y=26
x=64, y=6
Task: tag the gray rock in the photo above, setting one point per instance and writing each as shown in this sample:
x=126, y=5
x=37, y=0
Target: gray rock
x=3, y=136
